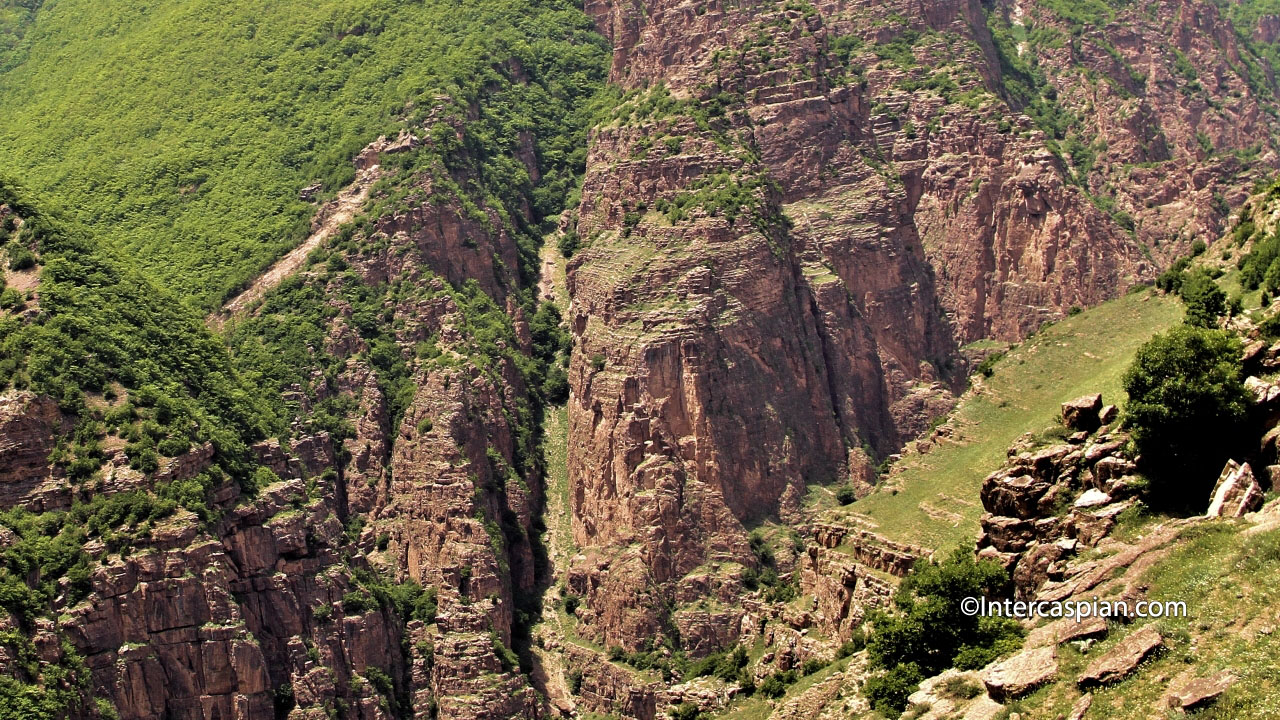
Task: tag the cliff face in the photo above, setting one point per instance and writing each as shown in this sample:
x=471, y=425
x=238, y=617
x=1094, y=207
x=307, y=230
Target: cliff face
x=789, y=226
x=799, y=212
x=386, y=568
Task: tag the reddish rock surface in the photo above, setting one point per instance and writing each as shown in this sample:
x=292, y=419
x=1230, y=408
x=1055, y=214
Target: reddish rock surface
x=1016, y=676
x=724, y=359
x=1121, y=660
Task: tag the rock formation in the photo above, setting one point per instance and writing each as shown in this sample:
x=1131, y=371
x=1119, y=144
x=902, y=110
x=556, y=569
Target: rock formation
x=796, y=217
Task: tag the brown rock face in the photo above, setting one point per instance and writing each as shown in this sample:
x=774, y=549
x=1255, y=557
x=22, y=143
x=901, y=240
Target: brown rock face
x=1237, y=492
x=208, y=623
x=1022, y=673
x=1083, y=413
x=791, y=226
x=1197, y=693
x=28, y=427
x=1122, y=659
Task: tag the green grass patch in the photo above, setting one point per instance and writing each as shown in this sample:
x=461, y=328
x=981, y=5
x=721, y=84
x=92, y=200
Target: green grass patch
x=936, y=503
x=1226, y=578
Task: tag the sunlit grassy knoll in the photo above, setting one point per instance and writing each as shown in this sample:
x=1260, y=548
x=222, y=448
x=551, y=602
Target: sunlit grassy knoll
x=932, y=499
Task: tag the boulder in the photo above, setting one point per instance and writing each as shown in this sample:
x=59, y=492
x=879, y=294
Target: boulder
x=1022, y=673
x=1092, y=498
x=1109, y=469
x=1067, y=630
x=1200, y=692
x=1253, y=354
x=1269, y=443
x=1008, y=534
x=1081, y=707
x=1015, y=496
x=308, y=193
x=1082, y=413
x=1266, y=394
x=1236, y=493
x=1108, y=414
x=1123, y=659
x=983, y=708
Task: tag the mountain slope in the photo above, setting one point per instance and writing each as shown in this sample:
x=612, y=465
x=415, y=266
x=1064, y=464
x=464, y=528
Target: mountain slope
x=182, y=133
x=789, y=229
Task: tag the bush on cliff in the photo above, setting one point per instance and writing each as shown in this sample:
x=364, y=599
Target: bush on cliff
x=929, y=632
x=1205, y=301
x=1187, y=410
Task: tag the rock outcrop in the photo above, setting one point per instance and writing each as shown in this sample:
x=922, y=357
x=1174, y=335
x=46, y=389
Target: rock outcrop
x=1124, y=658
x=1018, y=675
x=1236, y=493
x=1047, y=503
x=29, y=424
x=794, y=222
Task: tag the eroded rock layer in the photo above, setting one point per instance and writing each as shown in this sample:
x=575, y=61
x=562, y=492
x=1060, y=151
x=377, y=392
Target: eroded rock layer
x=799, y=212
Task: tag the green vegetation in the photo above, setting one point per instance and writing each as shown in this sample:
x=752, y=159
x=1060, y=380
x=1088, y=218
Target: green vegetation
x=929, y=633
x=1081, y=12
x=931, y=499
x=181, y=133
x=164, y=380
x=1227, y=580
x=1244, y=16
x=1025, y=84
x=1187, y=411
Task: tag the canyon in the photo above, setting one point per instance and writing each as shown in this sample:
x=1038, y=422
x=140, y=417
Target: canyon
x=801, y=227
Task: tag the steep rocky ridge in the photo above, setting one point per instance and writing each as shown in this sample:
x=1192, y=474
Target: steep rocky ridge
x=380, y=558
x=801, y=210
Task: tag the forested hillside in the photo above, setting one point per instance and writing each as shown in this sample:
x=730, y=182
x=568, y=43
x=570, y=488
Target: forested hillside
x=181, y=133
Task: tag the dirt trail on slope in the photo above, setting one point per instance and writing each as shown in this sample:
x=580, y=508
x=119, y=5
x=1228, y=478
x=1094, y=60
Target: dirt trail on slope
x=338, y=211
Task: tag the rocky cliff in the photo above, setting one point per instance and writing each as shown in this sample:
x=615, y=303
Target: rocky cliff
x=794, y=217
x=800, y=211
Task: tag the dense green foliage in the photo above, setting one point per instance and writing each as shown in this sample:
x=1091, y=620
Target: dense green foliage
x=181, y=132
x=16, y=17
x=1244, y=16
x=1205, y=301
x=1025, y=85
x=1187, y=409
x=103, y=328
x=929, y=633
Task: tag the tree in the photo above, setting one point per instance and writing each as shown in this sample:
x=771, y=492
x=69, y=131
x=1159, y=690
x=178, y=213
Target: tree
x=1205, y=301
x=1187, y=409
x=930, y=632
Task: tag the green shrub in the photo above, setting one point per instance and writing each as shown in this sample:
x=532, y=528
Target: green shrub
x=887, y=692
x=20, y=258
x=812, y=666
x=845, y=494
x=773, y=687
x=685, y=711
x=856, y=642
x=358, y=602
x=568, y=244
x=1187, y=411
x=1205, y=301
x=929, y=633
x=987, y=367
x=509, y=660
